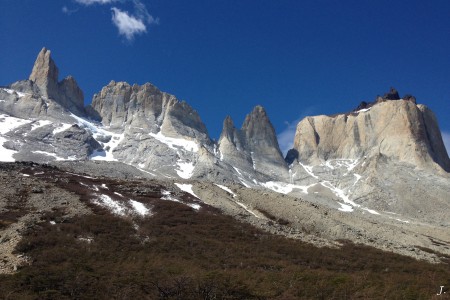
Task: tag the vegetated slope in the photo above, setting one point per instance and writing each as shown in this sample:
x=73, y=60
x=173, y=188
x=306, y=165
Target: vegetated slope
x=177, y=251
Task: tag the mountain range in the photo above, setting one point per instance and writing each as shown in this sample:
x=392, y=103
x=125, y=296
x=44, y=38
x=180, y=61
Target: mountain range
x=377, y=175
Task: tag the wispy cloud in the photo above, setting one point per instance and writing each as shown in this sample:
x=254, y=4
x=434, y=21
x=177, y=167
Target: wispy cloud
x=128, y=23
x=68, y=11
x=446, y=138
x=286, y=137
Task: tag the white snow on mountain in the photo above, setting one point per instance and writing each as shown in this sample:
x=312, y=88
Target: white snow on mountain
x=176, y=143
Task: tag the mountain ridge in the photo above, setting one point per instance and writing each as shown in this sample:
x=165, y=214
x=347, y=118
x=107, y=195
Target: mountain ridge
x=370, y=165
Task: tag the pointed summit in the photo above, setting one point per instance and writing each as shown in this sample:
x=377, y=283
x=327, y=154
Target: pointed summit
x=254, y=147
x=66, y=92
x=45, y=74
x=259, y=131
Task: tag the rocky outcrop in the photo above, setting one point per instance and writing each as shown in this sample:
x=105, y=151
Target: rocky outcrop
x=45, y=76
x=397, y=129
x=42, y=96
x=391, y=95
x=254, y=146
x=120, y=104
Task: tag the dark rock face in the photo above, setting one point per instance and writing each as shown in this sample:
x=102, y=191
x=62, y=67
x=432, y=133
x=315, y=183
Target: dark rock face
x=70, y=95
x=362, y=105
x=291, y=156
x=75, y=140
x=410, y=98
x=391, y=95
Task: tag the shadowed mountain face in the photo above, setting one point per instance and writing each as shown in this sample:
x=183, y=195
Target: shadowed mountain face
x=372, y=165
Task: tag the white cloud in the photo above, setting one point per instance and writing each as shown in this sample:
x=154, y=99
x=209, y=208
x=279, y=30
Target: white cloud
x=90, y=2
x=446, y=138
x=127, y=24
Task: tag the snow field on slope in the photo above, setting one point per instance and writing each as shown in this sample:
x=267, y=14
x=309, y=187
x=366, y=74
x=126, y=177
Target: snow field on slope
x=8, y=123
x=348, y=165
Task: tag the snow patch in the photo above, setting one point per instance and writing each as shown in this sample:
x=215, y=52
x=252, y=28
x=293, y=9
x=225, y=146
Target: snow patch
x=186, y=188
x=9, y=91
x=226, y=189
x=363, y=110
x=186, y=169
x=309, y=170
x=373, y=212
x=41, y=123
x=6, y=154
x=139, y=208
x=107, y=202
x=54, y=155
x=285, y=188
x=61, y=127
x=246, y=208
x=97, y=132
x=107, y=155
x=168, y=196
x=175, y=143
x=8, y=123
x=348, y=164
x=345, y=207
x=403, y=221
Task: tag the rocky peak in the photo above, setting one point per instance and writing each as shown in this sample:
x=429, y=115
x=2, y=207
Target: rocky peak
x=228, y=129
x=66, y=92
x=45, y=73
x=258, y=129
x=254, y=146
x=232, y=135
x=120, y=104
x=399, y=130
x=391, y=95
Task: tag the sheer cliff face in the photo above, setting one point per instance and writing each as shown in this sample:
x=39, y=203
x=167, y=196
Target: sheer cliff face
x=397, y=129
x=120, y=104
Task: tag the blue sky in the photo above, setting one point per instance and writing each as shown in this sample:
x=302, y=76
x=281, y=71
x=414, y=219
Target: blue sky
x=223, y=57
